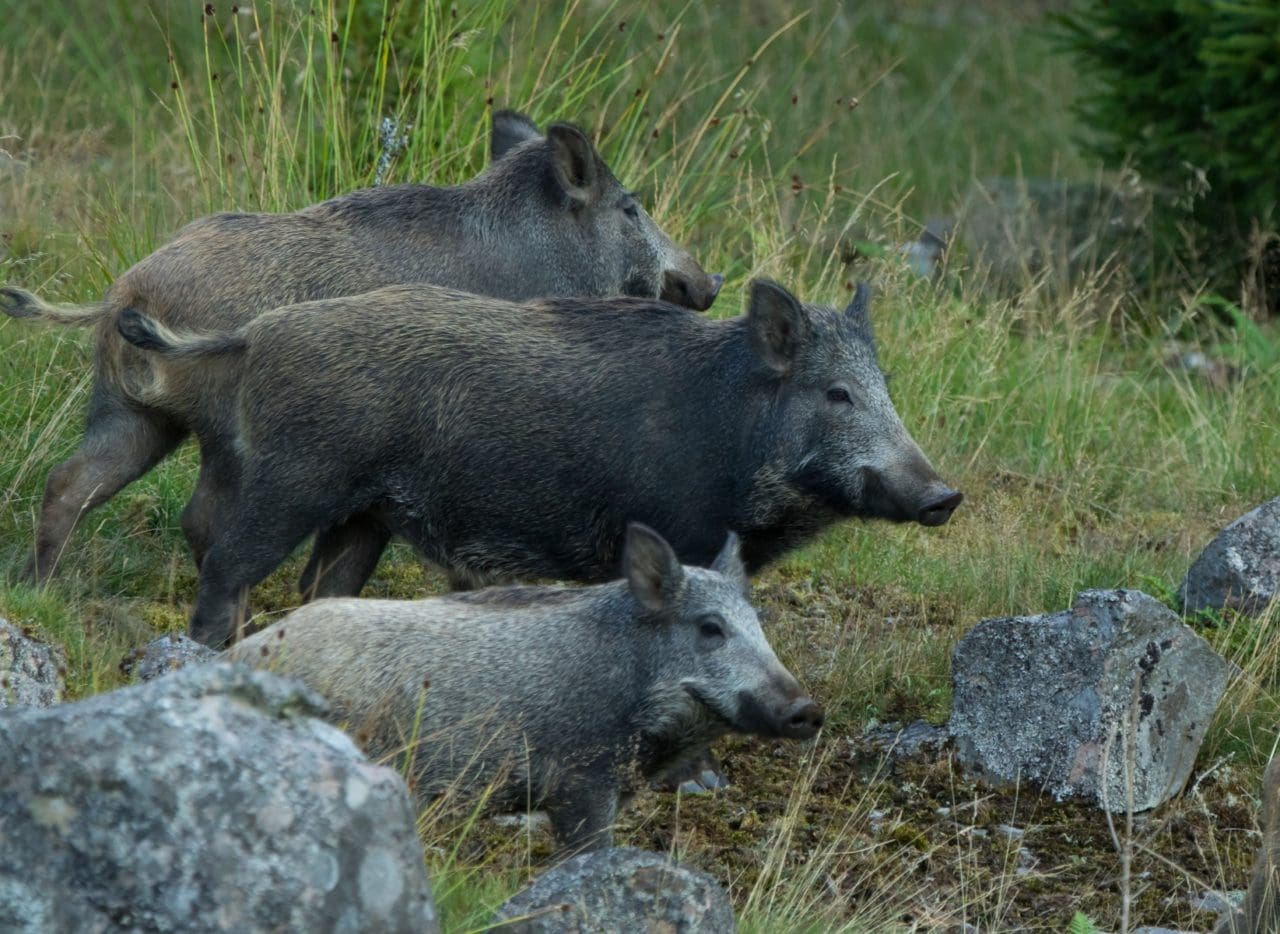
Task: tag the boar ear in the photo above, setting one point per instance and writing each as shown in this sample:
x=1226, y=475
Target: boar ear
x=779, y=324
x=510, y=129
x=729, y=563
x=859, y=310
x=575, y=163
x=652, y=569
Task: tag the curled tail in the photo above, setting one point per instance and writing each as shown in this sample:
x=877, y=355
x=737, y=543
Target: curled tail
x=19, y=303
x=149, y=334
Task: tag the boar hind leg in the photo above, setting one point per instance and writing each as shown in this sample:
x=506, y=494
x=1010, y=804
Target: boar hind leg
x=344, y=557
x=212, y=501
x=121, y=443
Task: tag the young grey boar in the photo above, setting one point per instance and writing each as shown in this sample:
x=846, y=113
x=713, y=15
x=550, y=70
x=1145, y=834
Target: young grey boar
x=517, y=441
x=546, y=218
x=554, y=698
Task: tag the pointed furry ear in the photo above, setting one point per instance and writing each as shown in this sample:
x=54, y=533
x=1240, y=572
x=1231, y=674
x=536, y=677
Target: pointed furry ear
x=509, y=129
x=729, y=563
x=651, y=567
x=859, y=310
x=780, y=326
x=575, y=162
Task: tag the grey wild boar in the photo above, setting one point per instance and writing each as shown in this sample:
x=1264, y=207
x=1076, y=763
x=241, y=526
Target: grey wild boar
x=546, y=218
x=517, y=441
x=555, y=698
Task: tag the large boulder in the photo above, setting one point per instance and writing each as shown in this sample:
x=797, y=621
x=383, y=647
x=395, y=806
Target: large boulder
x=1061, y=701
x=1240, y=569
x=209, y=800
x=31, y=672
x=619, y=890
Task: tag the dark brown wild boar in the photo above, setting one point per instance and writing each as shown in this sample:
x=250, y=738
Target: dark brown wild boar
x=517, y=441
x=546, y=218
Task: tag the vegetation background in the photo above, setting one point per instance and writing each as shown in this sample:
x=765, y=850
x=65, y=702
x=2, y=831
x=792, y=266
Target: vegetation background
x=803, y=141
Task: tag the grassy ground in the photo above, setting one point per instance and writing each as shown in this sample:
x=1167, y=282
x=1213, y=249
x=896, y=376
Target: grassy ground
x=760, y=134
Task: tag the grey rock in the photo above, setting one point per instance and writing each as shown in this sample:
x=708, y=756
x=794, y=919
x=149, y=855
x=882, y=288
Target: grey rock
x=619, y=890
x=1240, y=569
x=210, y=800
x=161, y=656
x=1055, y=700
x=916, y=739
x=31, y=672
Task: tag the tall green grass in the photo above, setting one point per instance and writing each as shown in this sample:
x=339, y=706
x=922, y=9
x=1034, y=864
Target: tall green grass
x=768, y=137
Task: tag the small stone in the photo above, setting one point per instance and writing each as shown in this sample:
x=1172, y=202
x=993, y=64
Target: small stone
x=1054, y=701
x=161, y=656
x=1219, y=902
x=31, y=672
x=1240, y=569
x=619, y=890
x=912, y=741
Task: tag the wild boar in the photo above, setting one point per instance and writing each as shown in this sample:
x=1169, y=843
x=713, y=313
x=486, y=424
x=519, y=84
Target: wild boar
x=555, y=698
x=548, y=217
x=517, y=441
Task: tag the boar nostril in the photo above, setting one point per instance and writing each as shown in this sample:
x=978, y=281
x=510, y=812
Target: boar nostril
x=804, y=719
x=939, y=510
x=717, y=280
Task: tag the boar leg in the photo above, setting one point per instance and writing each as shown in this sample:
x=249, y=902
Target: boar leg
x=121, y=443
x=582, y=816
x=213, y=499
x=252, y=545
x=344, y=558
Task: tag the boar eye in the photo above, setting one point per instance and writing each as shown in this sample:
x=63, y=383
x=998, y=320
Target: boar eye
x=838, y=394
x=710, y=627
x=632, y=210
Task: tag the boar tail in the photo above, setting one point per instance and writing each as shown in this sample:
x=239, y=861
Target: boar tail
x=19, y=303
x=149, y=334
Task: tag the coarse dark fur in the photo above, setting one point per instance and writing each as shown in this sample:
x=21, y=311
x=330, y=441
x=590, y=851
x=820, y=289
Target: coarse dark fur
x=546, y=218
x=563, y=699
x=517, y=441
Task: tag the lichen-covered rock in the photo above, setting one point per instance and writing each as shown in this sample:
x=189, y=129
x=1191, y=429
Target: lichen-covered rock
x=619, y=890
x=31, y=672
x=161, y=656
x=211, y=800
x=1240, y=570
x=1060, y=701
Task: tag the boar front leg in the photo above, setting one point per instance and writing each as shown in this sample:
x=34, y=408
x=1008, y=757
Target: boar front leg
x=258, y=537
x=344, y=558
x=582, y=815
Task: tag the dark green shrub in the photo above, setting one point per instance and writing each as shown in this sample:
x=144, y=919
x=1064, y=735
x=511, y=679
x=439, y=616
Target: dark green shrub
x=1187, y=92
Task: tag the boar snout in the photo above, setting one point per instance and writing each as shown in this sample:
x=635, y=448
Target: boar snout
x=691, y=288
x=910, y=490
x=787, y=714
x=802, y=719
x=938, y=509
